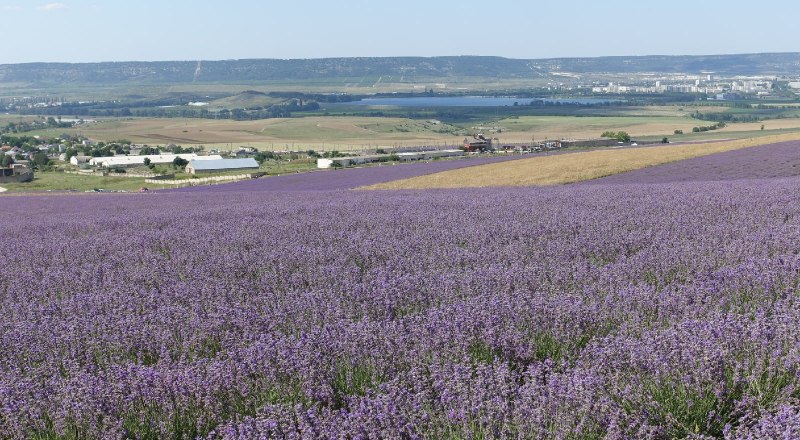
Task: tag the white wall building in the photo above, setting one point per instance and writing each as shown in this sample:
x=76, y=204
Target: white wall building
x=373, y=158
x=210, y=166
x=156, y=159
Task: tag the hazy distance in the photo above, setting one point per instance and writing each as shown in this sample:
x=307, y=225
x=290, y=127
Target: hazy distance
x=148, y=30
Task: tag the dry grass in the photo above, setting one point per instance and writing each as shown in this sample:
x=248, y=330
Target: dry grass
x=568, y=168
x=522, y=129
x=319, y=133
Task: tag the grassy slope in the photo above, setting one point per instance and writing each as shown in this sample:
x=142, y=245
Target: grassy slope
x=52, y=181
x=567, y=168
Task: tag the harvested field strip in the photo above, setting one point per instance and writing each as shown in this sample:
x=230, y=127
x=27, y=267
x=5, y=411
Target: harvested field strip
x=568, y=168
x=336, y=180
x=760, y=162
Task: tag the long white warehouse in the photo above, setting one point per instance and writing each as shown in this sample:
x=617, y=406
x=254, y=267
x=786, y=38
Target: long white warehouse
x=157, y=159
x=209, y=166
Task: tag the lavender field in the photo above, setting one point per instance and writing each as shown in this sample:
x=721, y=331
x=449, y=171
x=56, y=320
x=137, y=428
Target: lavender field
x=619, y=311
x=763, y=161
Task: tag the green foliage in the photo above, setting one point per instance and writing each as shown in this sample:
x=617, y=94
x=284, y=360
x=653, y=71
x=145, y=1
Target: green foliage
x=678, y=132
x=263, y=156
x=688, y=410
x=482, y=353
x=332, y=154
x=708, y=127
x=621, y=136
x=6, y=161
x=352, y=378
x=40, y=160
x=684, y=410
x=548, y=347
x=149, y=151
x=179, y=162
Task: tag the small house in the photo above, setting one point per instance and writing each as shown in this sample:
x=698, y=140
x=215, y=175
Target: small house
x=79, y=160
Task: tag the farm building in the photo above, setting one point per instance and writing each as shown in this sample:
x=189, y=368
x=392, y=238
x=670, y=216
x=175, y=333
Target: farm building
x=16, y=173
x=156, y=159
x=373, y=158
x=77, y=160
x=428, y=155
x=209, y=166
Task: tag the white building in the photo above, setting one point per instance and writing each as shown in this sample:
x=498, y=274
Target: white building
x=78, y=160
x=156, y=159
x=373, y=158
x=210, y=166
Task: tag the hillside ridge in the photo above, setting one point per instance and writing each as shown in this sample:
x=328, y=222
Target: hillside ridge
x=409, y=68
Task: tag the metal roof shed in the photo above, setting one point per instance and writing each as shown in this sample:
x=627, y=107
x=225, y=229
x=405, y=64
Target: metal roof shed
x=210, y=166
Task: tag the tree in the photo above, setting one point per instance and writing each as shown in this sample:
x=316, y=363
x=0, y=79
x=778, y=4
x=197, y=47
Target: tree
x=6, y=161
x=147, y=151
x=179, y=162
x=147, y=161
x=40, y=160
x=619, y=135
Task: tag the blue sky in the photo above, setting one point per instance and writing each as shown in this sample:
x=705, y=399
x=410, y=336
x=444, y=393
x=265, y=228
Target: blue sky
x=150, y=30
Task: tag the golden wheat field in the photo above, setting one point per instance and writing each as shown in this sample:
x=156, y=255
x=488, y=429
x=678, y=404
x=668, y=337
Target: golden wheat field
x=572, y=167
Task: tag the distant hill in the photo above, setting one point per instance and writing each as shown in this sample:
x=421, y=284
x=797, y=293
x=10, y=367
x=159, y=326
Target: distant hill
x=236, y=71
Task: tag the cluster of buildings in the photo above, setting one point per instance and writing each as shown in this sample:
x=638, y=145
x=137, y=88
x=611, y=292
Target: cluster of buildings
x=196, y=164
x=346, y=161
x=715, y=89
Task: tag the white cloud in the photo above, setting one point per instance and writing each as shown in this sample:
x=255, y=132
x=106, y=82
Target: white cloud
x=50, y=7
x=9, y=8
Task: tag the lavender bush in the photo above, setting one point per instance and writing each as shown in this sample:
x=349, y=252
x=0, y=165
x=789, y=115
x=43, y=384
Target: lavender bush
x=584, y=311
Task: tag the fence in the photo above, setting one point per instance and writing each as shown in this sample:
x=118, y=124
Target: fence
x=204, y=180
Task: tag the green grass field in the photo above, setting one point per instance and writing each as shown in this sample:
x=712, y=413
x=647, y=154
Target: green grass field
x=60, y=181
x=54, y=181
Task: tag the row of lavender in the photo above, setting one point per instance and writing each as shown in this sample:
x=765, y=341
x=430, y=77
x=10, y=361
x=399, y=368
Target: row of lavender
x=572, y=312
x=350, y=177
x=764, y=161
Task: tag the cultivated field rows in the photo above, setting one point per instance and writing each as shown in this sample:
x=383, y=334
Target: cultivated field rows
x=577, y=167
x=580, y=311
